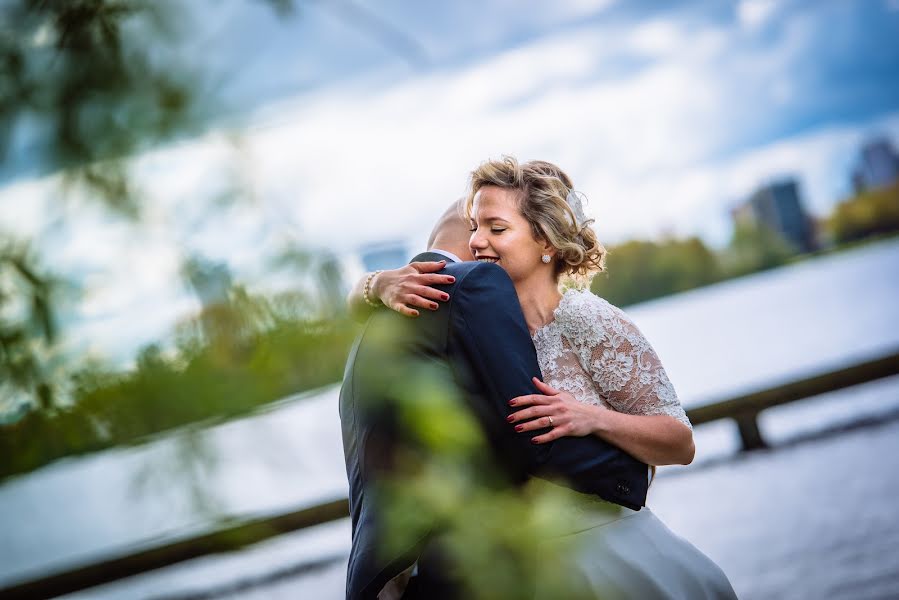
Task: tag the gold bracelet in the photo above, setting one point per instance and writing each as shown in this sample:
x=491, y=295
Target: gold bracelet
x=366, y=290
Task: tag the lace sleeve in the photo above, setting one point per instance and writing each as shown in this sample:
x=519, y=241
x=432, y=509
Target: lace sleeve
x=625, y=368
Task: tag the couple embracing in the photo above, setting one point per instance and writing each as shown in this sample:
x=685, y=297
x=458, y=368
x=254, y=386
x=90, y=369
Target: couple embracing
x=562, y=385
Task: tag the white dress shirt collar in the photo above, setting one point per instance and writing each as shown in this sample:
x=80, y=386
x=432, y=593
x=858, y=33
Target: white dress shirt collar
x=445, y=253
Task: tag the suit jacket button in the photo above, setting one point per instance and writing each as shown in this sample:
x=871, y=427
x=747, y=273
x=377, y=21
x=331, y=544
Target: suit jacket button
x=623, y=489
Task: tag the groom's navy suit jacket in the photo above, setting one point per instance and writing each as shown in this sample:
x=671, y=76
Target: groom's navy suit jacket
x=481, y=338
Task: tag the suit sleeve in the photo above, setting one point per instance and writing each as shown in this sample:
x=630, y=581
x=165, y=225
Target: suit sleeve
x=488, y=327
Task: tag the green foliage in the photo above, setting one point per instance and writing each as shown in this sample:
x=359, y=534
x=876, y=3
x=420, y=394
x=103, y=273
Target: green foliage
x=500, y=540
x=755, y=248
x=90, y=83
x=104, y=79
x=873, y=213
x=232, y=358
x=642, y=270
x=28, y=330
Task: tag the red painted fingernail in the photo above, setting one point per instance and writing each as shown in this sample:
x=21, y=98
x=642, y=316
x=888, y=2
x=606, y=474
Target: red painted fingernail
x=510, y=418
x=433, y=307
x=445, y=296
x=519, y=427
x=451, y=279
x=511, y=402
x=534, y=441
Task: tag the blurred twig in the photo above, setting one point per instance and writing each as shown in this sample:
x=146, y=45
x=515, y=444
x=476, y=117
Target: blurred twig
x=28, y=329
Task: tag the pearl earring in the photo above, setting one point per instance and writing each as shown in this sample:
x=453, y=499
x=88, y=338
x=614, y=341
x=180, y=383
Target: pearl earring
x=546, y=258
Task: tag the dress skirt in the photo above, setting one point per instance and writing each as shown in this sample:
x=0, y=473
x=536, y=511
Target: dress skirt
x=617, y=553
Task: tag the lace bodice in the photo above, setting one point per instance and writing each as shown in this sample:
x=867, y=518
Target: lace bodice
x=592, y=350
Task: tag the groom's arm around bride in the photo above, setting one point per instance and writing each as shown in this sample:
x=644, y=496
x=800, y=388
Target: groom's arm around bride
x=478, y=343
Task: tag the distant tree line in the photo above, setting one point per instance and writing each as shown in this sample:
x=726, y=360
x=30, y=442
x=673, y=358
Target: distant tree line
x=873, y=213
x=641, y=270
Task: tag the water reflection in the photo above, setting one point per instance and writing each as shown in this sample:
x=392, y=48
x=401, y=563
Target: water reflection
x=190, y=465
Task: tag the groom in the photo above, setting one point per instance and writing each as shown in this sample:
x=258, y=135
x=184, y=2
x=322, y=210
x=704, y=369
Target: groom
x=480, y=340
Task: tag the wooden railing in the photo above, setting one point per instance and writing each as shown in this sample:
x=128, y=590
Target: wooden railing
x=243, y=532
x=228, y=538
x=745, y=409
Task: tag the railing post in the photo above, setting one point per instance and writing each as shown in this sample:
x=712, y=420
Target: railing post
x=748, y=426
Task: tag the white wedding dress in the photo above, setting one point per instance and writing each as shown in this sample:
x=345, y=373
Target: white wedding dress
x=593, y=350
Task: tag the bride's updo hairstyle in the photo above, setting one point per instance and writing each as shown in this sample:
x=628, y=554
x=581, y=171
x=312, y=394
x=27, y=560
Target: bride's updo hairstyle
x=543, y=189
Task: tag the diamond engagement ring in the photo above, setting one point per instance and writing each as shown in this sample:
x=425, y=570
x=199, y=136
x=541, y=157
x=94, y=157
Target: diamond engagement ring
x=551, y=424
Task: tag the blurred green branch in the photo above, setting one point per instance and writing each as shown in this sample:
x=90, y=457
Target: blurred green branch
x=231, y=358
x=90, y=83
x=28, y=330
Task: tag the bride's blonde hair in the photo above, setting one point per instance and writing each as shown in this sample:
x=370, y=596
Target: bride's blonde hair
x=543, y=190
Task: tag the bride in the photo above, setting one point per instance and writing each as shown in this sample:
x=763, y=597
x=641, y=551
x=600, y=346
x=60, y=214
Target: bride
x=601, y=375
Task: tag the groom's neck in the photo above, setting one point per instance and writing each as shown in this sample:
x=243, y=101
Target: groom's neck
x=460, y=252
x=448, y=254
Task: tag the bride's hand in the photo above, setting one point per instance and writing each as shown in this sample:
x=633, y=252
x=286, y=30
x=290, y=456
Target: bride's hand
x=410, y=286
x=554, y=409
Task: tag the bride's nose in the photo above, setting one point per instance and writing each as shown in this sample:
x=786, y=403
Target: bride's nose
x=477, y=240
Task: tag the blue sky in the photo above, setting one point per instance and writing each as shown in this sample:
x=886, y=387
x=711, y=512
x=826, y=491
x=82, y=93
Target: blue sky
x=842, y=55
x=739, y=77
x=350, y=127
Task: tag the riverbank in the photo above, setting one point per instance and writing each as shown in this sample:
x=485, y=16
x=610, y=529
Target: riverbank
x=812, y=517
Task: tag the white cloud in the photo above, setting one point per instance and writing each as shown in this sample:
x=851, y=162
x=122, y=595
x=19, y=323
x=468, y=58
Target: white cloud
x=582, y=7
x=755, y=13
x=657, y=38
x=383, y=168
x=24, y=209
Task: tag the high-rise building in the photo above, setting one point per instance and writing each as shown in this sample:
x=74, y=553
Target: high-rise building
x=877, y=166
x=211, y=280
x=384, y=255
x=778, y=207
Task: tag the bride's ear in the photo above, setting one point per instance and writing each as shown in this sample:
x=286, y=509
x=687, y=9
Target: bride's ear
x=548, y=248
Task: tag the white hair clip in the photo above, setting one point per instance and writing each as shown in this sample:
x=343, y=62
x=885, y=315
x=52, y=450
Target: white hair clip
x=576, y=200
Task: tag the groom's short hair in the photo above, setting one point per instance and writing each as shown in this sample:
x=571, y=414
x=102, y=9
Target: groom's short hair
x=451, y=223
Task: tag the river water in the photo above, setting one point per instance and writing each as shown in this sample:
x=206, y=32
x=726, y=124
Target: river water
x=813, y=517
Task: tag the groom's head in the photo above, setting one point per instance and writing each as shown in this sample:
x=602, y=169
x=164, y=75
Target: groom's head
x=451, y=232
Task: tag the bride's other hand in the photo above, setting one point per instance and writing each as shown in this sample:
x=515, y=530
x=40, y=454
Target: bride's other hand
x=409, y=287
x=554, y=409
